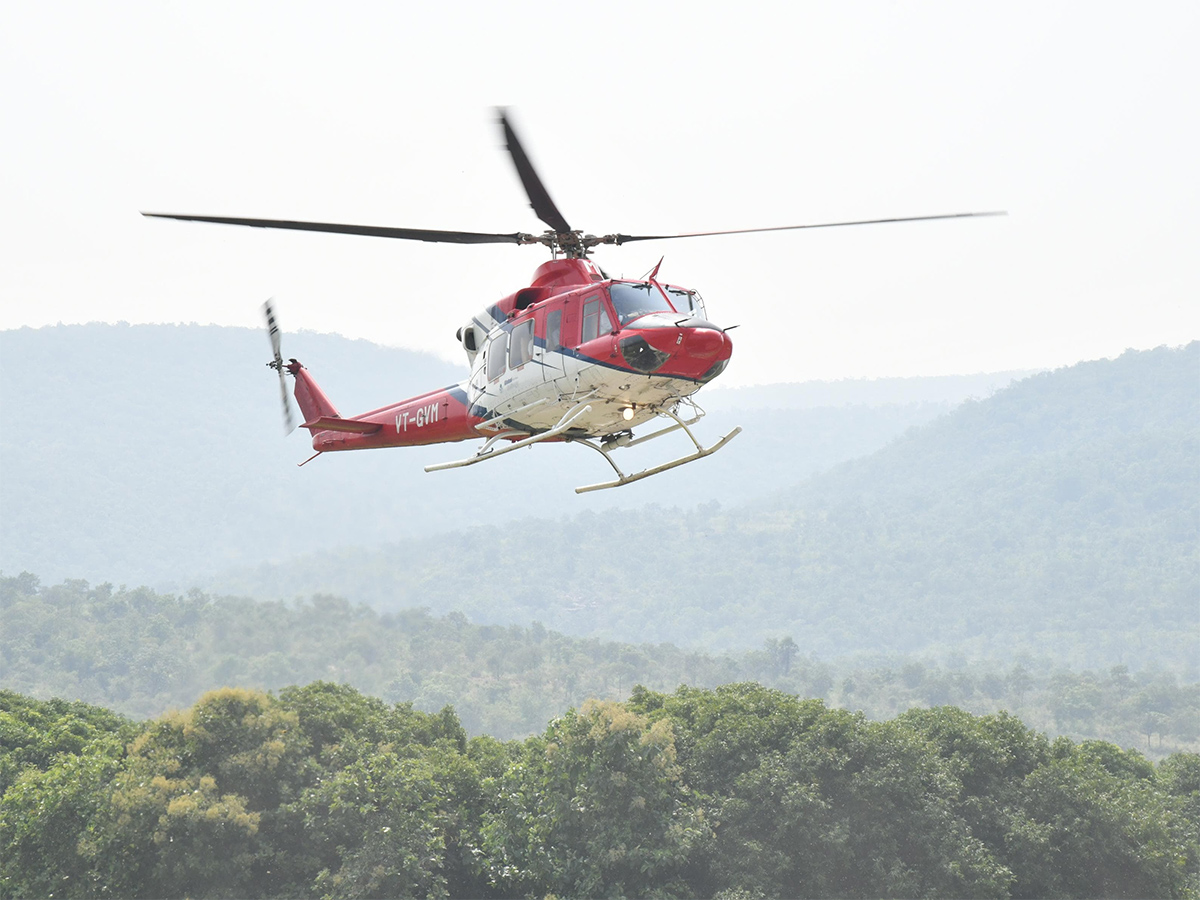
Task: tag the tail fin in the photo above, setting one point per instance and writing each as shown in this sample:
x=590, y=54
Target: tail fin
x=313, y=402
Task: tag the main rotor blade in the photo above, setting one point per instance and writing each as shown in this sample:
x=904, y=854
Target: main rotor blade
x=629, y=238
x=539, y=197
x=407, y=234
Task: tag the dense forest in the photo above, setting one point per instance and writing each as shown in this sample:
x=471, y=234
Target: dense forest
x=1060, y=517
x=738, y=792
x=153, y=454
x=141, y=653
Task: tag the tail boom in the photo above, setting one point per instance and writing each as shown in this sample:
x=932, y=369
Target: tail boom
x=431, y=418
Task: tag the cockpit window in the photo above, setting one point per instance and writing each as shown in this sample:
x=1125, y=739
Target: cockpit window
x=633, y=300
x=686, y=301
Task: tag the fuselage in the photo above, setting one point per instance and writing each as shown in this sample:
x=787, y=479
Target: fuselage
x=627, y=348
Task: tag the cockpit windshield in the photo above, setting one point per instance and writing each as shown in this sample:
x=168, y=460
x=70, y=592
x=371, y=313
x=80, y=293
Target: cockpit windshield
x=686, y=301
x=637, y=299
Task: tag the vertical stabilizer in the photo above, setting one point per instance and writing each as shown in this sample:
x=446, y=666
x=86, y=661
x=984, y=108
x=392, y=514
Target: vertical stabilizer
x=313, y=402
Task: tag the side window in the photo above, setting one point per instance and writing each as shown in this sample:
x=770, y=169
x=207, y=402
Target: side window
x=553, y=330
x=495, y=356
x=595, y=320
x=520, y=347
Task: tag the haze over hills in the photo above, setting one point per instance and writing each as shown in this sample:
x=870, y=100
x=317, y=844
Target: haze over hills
x=152, y=454
x=947, y=390
x=141, y=654
x=1059, y=516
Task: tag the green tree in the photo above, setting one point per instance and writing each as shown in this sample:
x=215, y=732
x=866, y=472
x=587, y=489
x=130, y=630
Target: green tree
x=392, y=802
x=47, y=819
x=1092, y=822
x=35, y=732
x=1179, y=775
x=381, y=814
x=812, y=802
x=187, y=806
x=595, y=807
x=989, y=756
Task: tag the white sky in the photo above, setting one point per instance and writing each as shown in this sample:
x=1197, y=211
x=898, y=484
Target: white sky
x=1079, y=118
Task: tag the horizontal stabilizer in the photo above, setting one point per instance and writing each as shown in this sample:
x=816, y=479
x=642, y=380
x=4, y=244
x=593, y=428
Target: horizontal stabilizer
x=353, y=426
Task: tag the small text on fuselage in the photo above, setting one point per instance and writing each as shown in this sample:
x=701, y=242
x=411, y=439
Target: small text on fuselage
x=419, y=418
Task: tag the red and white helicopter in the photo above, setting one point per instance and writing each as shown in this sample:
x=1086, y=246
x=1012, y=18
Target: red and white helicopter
x=576, y=357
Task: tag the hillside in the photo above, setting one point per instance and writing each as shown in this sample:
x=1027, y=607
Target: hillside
x=143, y=653
x=153, y=454
x=1057, y=517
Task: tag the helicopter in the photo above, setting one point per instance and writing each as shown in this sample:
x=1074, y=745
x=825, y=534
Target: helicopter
x=576, y=357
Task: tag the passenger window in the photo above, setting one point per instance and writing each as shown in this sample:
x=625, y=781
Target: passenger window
x=495, y=359
x=595, y=320
x=520, y=348
x=553, y=330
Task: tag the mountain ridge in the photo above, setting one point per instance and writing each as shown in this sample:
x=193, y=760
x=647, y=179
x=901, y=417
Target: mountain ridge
x=1076, y=535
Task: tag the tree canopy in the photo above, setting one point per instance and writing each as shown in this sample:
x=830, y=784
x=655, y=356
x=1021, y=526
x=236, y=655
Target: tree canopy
x=742, y=791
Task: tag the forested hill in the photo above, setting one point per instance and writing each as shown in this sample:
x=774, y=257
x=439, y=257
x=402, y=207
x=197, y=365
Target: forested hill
x=143, y=653
x=151, y=453
x=1141, y=401
x=1059, y=516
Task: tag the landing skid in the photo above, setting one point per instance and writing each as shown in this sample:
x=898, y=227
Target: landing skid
x=491, y=449
x=622, y=478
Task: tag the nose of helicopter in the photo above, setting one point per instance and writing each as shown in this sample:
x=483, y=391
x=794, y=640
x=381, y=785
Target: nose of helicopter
x=694, y=349
x=707, y=350
x=705, y=341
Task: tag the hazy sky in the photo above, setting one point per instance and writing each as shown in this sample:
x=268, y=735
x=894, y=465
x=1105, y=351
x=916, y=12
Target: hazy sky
x=1079, y=118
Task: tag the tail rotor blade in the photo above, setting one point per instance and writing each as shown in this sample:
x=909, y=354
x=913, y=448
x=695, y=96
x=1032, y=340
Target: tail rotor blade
x=289, y=421
x=273, y=332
